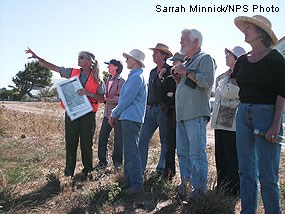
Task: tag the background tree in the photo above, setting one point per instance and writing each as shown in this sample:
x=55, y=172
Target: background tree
x=49, y=92
x=7, y=94
x=105, y=75
x=34, y=75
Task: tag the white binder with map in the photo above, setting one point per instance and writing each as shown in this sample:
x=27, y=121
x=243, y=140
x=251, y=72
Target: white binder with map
x=75, y=105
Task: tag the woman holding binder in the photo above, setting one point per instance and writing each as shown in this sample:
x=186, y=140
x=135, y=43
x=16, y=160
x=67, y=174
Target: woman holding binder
x=83, y=127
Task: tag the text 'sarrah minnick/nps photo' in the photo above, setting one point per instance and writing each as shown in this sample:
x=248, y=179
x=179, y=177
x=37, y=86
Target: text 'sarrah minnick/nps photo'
x=219, y=8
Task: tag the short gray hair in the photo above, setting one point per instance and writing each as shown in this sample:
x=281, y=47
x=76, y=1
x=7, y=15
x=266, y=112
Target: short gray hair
x=193, y=34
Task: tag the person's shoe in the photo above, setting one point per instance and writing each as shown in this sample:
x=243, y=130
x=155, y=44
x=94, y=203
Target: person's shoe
x=181, y=199
x=83, y=176
x=67, y=173
x=125, y=186
x=168, y=175
x=158, y=175
x=132, y=191
x=159, y=172
x=117, y=167
x=100, y=166
x=87, y=171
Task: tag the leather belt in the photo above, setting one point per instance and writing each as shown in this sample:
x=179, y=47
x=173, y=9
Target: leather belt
x=154, y=104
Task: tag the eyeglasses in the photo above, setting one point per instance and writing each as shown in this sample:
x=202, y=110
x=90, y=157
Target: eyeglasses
x=229, y=53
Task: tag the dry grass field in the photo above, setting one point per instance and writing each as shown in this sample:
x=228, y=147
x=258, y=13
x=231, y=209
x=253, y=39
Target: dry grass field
x=32, y=159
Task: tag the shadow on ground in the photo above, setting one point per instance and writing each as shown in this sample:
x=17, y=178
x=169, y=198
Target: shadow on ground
x=33, y=199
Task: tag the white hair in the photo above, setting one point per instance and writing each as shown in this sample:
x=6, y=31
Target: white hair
x=193, y=34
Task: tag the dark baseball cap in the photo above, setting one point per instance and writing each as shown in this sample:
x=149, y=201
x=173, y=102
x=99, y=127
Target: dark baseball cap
x=117, y=63
x=113, y=62
x=178, y=57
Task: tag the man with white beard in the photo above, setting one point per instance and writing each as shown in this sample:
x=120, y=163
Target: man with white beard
x=194, y=83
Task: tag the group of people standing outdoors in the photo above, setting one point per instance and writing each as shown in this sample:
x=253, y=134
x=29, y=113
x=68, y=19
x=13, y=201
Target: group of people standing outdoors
x=250, y=95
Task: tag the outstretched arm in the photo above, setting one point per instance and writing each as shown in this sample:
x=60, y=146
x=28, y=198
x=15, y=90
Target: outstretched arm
x=42, y=61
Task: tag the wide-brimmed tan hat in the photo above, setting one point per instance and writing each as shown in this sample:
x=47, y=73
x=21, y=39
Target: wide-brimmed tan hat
x=164, y=48
x=137, y=55
x=259, y=21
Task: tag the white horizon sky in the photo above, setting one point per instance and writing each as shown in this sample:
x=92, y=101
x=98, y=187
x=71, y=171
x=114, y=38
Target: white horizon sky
x=58, y=30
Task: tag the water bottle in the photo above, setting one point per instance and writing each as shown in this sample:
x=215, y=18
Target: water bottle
x=280, y=139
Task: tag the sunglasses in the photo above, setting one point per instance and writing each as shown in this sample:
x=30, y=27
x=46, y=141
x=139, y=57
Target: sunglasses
x=229, y=53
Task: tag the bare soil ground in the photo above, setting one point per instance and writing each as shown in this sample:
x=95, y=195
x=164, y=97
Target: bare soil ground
x=32, y=158
x=33, y=107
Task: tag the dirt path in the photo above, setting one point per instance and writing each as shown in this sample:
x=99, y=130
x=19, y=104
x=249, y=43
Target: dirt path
x=56, y=110
x=34, y=107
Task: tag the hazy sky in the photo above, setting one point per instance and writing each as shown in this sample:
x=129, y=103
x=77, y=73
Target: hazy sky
x=58, y=29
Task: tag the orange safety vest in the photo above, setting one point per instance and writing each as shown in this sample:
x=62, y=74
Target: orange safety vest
x=91, y=86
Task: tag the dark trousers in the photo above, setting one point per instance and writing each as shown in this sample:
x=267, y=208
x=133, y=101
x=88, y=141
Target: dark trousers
x=226, y=161
x=82, y=128
x=170, y=169
x=104, y=136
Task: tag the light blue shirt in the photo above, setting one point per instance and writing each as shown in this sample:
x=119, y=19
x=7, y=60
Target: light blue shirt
x=190, y=102
x=132, y=102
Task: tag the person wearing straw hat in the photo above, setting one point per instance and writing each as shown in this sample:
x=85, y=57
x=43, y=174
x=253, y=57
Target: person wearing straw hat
x=131, y=111
x=114, y=84
x=223, y=122
x=194, y=84
x=83, y=127
x=155, y=117
x=260, y=75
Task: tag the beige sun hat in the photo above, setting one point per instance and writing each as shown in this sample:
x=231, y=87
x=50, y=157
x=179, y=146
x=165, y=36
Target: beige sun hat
x=137, y=55
x=259, y=21
x=164, y=48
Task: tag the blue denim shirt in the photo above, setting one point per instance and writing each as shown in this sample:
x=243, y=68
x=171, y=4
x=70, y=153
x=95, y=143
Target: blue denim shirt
x=132, y=101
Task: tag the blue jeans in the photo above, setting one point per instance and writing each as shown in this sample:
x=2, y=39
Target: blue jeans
x=154, y=118
x=257, y=158
x=132, y=158
x=191, y=152
x=104, y=135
